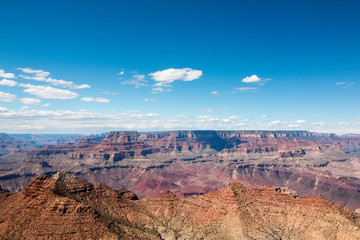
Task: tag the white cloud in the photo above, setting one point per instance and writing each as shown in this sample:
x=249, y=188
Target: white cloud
x=92, y=99
x=206, y=110
x=138, y=80
x=3, y=109
x=59, y=82
x=172, y=74
x=264, y=116
x=46, y=105
x=235, y=121
x=120, y=73
x=81, y=86
x=48, y=92
x=251, y=79
x=82, y=121
x=150, y=100
x=319, y=123
x=3, y=74
x=301, y=121
x=43, y=76
x=160, y=90
x=64, y=119
x=9, y=83
x=294, y=125
x=33, y=101
x=225, y=108
x=236, y=117
x=40, y=73
x=30, y=127
x=345, y=85
x=214, y=93
x=41, y=79
x=255, y=79
x=7, y=97
x=165, y=77
x=247, y=89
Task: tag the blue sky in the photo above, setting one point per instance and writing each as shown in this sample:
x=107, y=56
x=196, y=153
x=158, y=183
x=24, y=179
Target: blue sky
x=95, y=66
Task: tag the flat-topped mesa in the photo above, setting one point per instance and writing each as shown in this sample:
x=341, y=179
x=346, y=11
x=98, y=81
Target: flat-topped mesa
x=225, y=134
x=195, y=134
x=264, y=134
x=190, y=140
x=122, y=136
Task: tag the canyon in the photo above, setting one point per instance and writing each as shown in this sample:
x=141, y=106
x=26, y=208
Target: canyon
x=66, y=207
x=190, y=163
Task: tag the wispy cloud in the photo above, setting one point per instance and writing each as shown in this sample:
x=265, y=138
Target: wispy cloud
x=39, y=73
x=206, y=110
x=160, y=90
x=93, y=99
x=235, y=120
x=81, y=86
x=246, y=89
x=48, y=92
x=43, y=76
x=138, y=80
x=345, y=85
x=214, y=93
x=27, y=119
x=150, y=100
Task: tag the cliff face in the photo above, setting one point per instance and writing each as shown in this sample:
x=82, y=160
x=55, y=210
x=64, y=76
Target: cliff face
x=196, y=162
x=64, y=206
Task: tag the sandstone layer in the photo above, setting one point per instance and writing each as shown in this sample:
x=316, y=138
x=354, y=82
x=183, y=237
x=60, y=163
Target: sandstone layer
x=64, y=206
x=196, y=162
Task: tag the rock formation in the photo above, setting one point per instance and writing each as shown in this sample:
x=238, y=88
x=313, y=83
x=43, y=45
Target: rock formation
x=64, y=206
x=196, y=162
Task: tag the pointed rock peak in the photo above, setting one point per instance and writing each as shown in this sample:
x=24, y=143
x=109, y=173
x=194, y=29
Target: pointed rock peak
x=63, y=176
x=67, y=183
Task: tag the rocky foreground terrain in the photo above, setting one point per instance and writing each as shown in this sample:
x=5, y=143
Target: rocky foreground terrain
x=65, y=206
x=197, y=162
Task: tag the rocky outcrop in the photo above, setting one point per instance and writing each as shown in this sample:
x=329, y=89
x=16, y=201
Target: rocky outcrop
x=65, y=206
